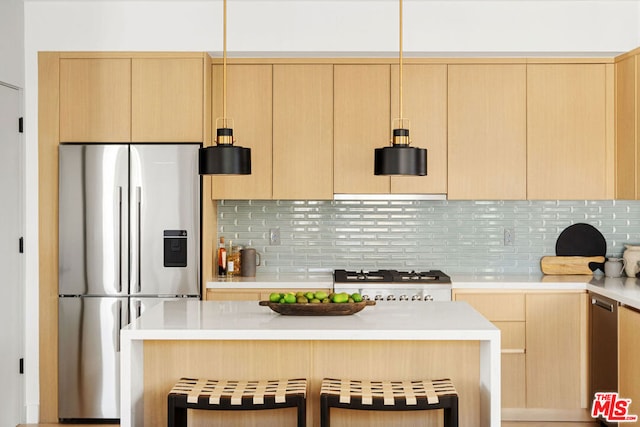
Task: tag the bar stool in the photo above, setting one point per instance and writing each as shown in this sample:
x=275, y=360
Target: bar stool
x=389, y=396
x=193, y=393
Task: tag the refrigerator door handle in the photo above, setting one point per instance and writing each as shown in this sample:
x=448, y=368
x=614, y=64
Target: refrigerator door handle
x=118, y=324
x=138, y=308
x=119, y=239
x=139, y=233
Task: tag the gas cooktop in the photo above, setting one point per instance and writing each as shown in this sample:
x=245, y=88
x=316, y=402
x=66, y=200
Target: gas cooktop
x=390, y=276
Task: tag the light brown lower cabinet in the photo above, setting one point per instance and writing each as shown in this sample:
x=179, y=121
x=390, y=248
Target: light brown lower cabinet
x=556, y=362
x=244, y=294
x=628, y=360
x=544, y=350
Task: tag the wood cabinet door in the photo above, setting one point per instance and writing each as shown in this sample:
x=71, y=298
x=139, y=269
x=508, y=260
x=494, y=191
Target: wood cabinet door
x=487, y=132
x=506, y=311
x=626, y=129
x=496, y=306
x=556, y=350
x=167, y=100
x=362, y=123
x=425, y=105
x=95, y=100
x=249, y=104
x=628, y=348
x=303, y=132
x=566, y=131
x=233, y=295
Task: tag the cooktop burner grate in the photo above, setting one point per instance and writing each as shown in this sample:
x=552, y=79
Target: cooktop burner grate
x=390, y=276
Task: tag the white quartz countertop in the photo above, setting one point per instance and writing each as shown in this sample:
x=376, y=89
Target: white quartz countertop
x=240, y=320
x=625, y=290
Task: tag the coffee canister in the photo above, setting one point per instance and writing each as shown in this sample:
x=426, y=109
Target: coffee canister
x=249, y=259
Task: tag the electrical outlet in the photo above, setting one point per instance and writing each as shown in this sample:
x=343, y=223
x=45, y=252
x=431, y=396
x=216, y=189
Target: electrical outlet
x=509, y=236
x=274, y=236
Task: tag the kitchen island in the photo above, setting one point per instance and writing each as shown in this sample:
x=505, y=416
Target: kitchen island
x=241, y=340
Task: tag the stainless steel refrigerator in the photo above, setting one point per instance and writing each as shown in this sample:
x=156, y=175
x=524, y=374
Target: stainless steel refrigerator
x=129, y=238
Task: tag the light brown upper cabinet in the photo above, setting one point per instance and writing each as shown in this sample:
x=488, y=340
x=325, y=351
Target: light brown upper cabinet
x=626, y=129
x=569, y=137
x=95, y=100
x=303, y=131
x=167, y=100
x=425, y=105
x=361, y=124
x=487, y=132
x=249, y=104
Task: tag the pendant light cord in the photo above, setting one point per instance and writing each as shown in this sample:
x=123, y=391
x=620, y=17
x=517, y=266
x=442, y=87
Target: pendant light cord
x=224, y=66
x=400, y=79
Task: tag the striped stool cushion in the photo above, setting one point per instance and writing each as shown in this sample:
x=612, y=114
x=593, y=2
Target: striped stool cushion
x=390, y=393
x=238, y=392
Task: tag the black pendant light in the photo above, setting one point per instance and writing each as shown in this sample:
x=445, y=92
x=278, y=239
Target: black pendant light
x=399, y=158
x=224, y=158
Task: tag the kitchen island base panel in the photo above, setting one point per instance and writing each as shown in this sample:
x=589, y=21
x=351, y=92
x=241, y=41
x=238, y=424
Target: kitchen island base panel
x=165, y=361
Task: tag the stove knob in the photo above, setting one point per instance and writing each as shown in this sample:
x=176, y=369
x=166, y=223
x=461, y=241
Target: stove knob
x=365, y=297
x=403, y=298
x=391, y=297
x=428, y=298
x=416, y=298
x=379, y=298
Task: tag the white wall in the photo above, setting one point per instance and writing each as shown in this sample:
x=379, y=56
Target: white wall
x=12, y=42
x=316, y=26
x=336, y=26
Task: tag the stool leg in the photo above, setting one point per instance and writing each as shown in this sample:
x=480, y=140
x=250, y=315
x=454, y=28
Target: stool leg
x=302, y=412
x=176, y=417
x=324, y=411
x=451, y=414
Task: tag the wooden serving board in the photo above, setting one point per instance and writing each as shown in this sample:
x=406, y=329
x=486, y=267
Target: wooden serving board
x=310, y=309
x=569, y=264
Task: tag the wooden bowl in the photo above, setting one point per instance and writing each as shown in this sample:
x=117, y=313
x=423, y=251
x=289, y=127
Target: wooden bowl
x=311, y=309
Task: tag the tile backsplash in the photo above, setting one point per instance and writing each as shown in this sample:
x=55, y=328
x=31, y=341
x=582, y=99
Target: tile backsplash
x=463, y=237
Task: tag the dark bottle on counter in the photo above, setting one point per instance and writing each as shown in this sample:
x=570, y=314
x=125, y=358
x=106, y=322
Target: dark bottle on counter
x=222, y=258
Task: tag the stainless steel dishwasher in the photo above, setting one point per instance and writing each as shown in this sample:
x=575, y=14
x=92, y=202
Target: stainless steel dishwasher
x=603, y=360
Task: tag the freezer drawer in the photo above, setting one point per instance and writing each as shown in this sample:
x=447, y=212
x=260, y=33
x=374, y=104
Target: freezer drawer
x=89, y=358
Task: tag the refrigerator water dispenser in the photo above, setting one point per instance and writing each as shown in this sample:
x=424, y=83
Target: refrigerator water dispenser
x=175, y=248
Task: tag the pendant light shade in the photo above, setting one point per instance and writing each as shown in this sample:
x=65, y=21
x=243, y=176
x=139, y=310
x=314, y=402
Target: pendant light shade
x=399, y=158
x=224, y=158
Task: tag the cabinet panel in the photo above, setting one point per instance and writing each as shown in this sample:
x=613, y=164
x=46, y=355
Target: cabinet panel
x=497, y=306
x=512, y=336
x=361, y=124
x=167, y=100
x=554, y=350
x=629, y=347
x=513, y=380
x=566, y=131
x=487, y=132
x=425, y=105
x=254, y=294
x=95, y=100
x=626, y=129
x=303, y=132
x=249, y=104
x=233, y=295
